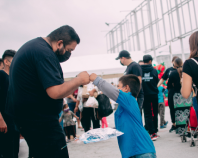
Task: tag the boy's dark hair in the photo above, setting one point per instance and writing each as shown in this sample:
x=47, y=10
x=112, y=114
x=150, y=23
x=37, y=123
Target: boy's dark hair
x=8, y=53
x=140, y=61
x=133, y=82
x=65, y=33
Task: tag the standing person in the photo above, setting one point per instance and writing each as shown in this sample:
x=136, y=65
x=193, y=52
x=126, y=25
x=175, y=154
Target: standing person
x=37, y=89
x=69, y=124
x=88, y=113
x=132, y=68
x=161, y=107
x=190, y=74
x=1, y=64
x=9, y=136
x=149, y=83
x=167, y=72
x=181, y=105
x=170, y=92
x=72, y=101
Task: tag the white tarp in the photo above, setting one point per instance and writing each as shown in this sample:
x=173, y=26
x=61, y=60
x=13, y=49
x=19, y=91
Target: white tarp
x=101, y=64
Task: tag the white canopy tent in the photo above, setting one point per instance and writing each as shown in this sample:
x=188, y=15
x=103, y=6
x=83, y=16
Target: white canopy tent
x=104, y=65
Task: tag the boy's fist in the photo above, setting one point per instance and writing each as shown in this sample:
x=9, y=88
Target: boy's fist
x=92, y=77
x=83, y=78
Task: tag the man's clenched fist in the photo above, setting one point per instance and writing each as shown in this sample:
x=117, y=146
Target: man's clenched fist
x=93, y=77
x=83, y=78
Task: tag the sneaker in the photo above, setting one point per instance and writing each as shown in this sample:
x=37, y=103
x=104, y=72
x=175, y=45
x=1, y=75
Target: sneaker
x=68, y=141
x=172, y=128
x=164, y=126
x=76, y=139
x=154, y=137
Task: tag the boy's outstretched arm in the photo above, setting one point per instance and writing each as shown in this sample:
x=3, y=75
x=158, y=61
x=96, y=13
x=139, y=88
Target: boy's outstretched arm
x=109, y=90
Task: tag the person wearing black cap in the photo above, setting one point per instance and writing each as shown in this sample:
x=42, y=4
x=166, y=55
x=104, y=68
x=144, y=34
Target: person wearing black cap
x=149, y=83
x=9, y=136
x=132, y=68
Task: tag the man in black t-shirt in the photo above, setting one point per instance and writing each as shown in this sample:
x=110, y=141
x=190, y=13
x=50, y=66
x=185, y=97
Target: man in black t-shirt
x=9, y=136
x=37, y=89
x=132, y=68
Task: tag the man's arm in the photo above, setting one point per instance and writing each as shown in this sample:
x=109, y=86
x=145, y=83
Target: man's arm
x=67, y=88
x=3, y=126
x=160, y=82
x=186, y=85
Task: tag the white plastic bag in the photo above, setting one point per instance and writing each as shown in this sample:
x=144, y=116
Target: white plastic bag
x=99, y=134
x=91, y=102
x=80, y=106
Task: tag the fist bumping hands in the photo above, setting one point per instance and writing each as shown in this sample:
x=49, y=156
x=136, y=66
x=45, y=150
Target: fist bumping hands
x=85, y=78
x=92, y=77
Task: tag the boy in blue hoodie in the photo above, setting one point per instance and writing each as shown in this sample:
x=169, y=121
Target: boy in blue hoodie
x=135, y=142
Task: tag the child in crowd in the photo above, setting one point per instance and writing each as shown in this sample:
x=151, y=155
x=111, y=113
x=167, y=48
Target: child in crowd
x=68, y=123
x=104, y=122
x=135, y=142
x=161, y=107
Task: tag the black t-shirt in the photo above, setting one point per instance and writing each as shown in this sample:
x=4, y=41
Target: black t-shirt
x=135, y=69
x=34, y=68
x=167, y=73
x=174, y=81
x=4, y=84
x=190, y=67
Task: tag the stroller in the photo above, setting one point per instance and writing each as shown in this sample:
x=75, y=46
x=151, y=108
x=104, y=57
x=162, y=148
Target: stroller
x=191, y=124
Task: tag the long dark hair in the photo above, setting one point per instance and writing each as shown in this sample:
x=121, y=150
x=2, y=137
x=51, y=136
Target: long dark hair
x=193, y=42
x=179, y=64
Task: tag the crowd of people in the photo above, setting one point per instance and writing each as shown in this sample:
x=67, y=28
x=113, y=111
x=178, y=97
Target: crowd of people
x=37, y=103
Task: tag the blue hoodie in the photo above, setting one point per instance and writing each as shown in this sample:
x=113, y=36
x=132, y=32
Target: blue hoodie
x=135, y=140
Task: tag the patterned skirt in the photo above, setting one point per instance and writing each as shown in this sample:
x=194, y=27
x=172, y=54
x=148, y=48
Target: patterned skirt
x=182, y=111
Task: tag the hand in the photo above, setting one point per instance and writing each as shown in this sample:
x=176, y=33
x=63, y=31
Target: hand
x=83, y=77
x=78, y=118
x=92, y=77
x=76, y=109
x=3, y=126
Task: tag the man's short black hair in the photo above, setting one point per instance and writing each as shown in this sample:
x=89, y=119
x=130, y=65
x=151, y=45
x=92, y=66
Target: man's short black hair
x=8, y=53
x=133, y=82
x=140, y=61
x=1, y=61
x=65, y=33
x=147, y=58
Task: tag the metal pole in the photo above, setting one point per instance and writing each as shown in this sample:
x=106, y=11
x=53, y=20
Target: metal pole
x=121, y=36
x=136, y=29
x=132, y=32
x=180, y=31
x=151, y=29
x=145, y=46
x=162, y=9
x=170, y=49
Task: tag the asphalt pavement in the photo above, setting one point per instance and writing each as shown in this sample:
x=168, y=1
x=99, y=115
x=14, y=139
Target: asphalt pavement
x=169, y=145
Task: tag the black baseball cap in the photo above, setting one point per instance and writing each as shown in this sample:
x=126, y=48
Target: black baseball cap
x=147, y=58
x=123, y=53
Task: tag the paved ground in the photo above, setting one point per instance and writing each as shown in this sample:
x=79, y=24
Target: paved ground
x=167, y=146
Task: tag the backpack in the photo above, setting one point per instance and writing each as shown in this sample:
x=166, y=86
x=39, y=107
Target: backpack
x=104, y=106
